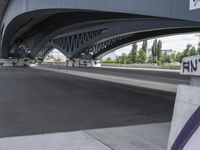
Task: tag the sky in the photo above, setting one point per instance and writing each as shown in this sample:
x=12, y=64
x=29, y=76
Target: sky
x=177, y=42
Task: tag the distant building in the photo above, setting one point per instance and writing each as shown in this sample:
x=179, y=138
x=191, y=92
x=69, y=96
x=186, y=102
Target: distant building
x=168, y=51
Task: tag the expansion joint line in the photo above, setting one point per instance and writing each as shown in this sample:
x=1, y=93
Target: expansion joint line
x=98, y=140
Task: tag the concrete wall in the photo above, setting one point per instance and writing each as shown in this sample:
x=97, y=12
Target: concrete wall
x=187, y=102
x=185, y=131
x=141, y=66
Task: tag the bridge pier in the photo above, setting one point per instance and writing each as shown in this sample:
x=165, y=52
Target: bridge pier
x=185, y=132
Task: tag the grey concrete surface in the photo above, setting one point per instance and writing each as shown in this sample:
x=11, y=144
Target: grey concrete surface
x=140, y=137
x=36, y=102
x=145, y=74
x=142, y=67
x=187, y=102
x=116, y=79
x=59, y=141
x=3, y=5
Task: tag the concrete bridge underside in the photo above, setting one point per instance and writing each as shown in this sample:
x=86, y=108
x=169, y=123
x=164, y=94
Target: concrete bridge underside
x=30, y=29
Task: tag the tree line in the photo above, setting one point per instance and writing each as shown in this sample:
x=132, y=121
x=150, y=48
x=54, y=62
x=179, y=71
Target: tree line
x=157, y=56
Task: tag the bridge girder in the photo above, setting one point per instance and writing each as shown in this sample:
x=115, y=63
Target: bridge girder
x=32, y=24
x=39, y=35
x=115, y=34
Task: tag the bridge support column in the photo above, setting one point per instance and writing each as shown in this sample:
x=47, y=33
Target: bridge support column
x=16, y=62
x=185, y=132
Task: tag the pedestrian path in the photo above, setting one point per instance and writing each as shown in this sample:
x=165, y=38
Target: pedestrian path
x=140, y=137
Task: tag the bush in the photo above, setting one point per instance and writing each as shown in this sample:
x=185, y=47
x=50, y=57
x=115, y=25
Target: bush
x=108, y=60
x=159, y=63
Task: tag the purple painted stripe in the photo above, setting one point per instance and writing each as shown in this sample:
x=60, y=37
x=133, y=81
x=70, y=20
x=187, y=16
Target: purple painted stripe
x=188, y=130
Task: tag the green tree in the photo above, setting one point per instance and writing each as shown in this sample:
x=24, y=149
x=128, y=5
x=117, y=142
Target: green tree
x=117, y=59
x=150, y=59
x=159, y=50
x=128, y=60
x=108, y=60
x=179, y=57
x=123, y=59
x=132, y=56
x=186, y=52
x=173, y=57
x=193, y=51
x=166, y=58
x=57, y=59
x=142, y=56
x=144, y=45
x=198, y=49
x=154, y=50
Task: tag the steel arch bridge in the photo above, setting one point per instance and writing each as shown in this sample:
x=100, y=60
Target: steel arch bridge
x=108, y=37
x=33, y=28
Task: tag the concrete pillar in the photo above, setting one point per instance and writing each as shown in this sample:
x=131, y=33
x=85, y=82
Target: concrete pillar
x=185, y=132
x=67, y=63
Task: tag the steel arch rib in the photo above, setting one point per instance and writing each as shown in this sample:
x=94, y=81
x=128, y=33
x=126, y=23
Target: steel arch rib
x=134, y=27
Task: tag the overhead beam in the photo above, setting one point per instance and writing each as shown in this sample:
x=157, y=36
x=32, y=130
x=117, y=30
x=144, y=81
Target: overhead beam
x=3, y=6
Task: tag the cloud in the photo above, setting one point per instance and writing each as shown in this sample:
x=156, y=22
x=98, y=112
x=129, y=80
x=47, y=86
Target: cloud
x=176, y=42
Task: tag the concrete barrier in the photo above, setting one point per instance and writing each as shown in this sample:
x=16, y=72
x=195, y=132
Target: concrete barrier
x=150, y=66
x=12, y=62
x=76, y=63
x=185, y=132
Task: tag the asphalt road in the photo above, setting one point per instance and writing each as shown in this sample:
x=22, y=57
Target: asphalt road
x=156, y=76
x=35, y=101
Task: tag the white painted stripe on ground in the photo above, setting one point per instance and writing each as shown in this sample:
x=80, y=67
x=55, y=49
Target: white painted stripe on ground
x=115, y=79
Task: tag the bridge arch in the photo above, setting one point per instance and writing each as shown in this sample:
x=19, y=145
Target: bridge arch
x=31, y=27
x=28, y=21
x=140, y=36
x=128, y=31
x=46, y=51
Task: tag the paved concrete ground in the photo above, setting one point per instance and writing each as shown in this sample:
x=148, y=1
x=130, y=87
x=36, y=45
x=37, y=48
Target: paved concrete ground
x=139, y=137
x=35, y=102
x=142, y=137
